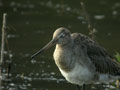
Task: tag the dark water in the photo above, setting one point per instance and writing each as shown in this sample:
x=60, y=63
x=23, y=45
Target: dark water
x=30, y=26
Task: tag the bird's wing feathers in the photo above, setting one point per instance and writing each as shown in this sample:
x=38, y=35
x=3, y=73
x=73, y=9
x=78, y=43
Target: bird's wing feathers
x=103, y=62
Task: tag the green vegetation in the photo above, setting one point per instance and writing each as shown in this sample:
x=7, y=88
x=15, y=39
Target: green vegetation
x=118, y=56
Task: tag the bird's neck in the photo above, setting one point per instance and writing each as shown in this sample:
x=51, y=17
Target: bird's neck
x=63, y=57
x=66, y=46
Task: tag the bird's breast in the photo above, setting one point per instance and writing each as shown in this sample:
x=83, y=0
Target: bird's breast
x=78, y=75
x=63, y=59
x=70, y=68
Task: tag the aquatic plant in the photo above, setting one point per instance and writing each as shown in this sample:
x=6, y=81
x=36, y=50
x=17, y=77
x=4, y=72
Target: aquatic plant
x=118, y=56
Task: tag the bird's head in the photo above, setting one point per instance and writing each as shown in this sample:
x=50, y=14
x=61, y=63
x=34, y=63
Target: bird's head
x=61, y=36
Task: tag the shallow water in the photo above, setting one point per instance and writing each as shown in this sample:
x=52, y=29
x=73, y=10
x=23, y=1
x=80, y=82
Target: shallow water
x=30, y=26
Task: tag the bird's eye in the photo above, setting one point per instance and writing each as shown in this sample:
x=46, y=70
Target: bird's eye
x=62, y=35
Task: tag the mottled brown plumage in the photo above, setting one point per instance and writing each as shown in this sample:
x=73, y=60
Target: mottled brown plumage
x=103, y=62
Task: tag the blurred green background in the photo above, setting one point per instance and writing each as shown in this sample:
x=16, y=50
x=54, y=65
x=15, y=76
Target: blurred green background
x=31, y=24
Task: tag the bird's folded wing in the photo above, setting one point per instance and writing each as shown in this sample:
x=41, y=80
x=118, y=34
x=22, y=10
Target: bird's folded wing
x=103, y=62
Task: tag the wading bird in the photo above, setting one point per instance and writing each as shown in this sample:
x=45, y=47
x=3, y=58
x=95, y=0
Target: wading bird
x=81, y=60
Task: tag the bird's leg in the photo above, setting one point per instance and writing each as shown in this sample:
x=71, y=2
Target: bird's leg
x=83, y=87
x=78, y=87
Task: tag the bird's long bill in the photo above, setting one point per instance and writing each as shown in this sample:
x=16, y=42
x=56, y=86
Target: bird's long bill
x=49, y=45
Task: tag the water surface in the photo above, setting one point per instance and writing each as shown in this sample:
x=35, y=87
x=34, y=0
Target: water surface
x=31, y=24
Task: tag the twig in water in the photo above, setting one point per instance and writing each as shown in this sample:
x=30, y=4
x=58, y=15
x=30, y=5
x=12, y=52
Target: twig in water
x=2, y=45
x=91, y=29
x=3, y=37
x=10, y=58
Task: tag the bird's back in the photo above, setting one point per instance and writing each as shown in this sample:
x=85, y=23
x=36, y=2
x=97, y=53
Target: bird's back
x=103, y=62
